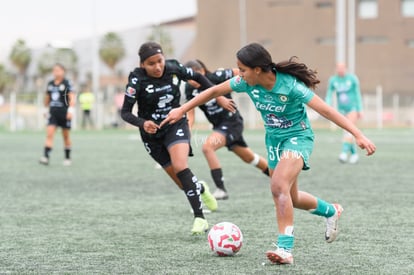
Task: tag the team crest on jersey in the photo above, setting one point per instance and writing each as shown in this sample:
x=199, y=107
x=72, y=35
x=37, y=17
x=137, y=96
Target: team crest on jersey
x=131, y=92
x=62, y=87
x=175, y=80
x=283, y=98
x=237, y=80
x=219, y=73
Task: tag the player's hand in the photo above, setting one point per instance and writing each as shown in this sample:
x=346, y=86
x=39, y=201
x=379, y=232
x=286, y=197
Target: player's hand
x=150, y=127
x=364, y=143
x=69, y=116
x=173, y=116
x=226, y=103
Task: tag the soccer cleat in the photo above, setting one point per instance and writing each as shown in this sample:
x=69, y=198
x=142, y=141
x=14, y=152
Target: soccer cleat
x=353, y=159
x=332, y=229
x=280, y=256
x=343, y=157
x=44, y=160
x=208, y=199
x=200, y=226
x=67, y=162
x=220, y=194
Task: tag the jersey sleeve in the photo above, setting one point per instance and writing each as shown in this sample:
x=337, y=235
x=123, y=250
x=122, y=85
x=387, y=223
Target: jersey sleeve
x=238, y=85
x=131, y=88
x=329, y=92
x=69, y=86
x=302, y=93
x=189, y=92
x=357, y=92
x=220, y=76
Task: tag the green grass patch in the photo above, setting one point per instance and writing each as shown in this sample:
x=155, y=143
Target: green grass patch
x=113, y=212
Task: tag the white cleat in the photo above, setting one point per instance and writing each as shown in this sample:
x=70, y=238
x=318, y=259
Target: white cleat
x=280, y=256
x=44, y=160
x=220, y=194
x=332, y=229
x=353, y=159
x=67, y=162
x=343, y=157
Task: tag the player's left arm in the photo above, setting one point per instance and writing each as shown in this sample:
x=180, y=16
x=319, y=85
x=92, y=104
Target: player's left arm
x=358, y=97
x=71, y=105
x=333, y=115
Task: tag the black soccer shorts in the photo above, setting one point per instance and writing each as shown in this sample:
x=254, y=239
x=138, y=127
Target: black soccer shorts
x=157, y=145
x=232, y=129
x=58, y=119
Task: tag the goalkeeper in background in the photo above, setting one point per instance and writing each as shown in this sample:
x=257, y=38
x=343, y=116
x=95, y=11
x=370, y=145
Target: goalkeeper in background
x=349, y=103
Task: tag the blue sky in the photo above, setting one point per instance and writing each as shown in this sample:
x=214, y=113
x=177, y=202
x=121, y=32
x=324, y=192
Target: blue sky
x=47, y=21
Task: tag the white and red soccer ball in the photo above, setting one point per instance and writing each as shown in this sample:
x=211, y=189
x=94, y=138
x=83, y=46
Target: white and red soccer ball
x=225, y=239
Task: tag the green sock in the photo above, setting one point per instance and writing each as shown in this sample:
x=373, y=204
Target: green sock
x=285, y=242
x=346, y=147
x=352, y=148
x=324, y=209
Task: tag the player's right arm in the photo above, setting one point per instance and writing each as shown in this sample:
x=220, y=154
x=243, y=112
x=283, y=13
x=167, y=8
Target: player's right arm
x=212, y=92
x=46, y=103
x=129, y=101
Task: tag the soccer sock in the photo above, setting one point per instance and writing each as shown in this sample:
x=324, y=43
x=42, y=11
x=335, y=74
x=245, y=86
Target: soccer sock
x=352, y=148
x=323, y=209
x=346, y=147
x=67, y=153
x=266, y=171
x=191, y=189
x=286, y=240
x=217, y=175
x=47, y=151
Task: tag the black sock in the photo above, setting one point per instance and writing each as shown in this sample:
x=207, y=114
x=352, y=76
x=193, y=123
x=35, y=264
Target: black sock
x=47, y=151
x=266, y=171
x=67, y=153
x=217, y=175
x=191, y=189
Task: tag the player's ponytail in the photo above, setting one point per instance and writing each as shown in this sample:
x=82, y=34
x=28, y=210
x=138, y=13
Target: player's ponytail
x=298, y=70
x=255, y=55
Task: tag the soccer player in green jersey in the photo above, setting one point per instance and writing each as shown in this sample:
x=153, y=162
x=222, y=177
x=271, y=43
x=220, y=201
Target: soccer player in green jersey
x=346, y=87
x=280, y=93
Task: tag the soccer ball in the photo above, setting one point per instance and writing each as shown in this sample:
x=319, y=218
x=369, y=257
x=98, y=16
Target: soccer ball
x=225, y=239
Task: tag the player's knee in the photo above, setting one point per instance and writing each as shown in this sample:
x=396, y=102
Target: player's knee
x=179, y=166
x=279, y=187
x=251, y=159
x=207, y=148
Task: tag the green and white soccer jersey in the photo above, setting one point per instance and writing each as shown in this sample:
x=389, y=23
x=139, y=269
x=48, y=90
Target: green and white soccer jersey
x=347, y=93
x=284, y=114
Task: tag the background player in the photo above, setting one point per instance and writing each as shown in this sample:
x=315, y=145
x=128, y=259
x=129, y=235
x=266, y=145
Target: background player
x=280, y=92
x=227, y=127
x=155, y=87
x=346, y=87
x=60, y=102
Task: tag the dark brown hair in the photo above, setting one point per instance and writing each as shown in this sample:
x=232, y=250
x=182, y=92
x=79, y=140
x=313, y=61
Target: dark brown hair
x=255, y=55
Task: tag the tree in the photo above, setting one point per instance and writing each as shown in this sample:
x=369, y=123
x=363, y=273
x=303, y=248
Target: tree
x=5, y=78
x=111, y=49
x=65, y=56
x=20, y=56
x=45, y=63
x=162, y=37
